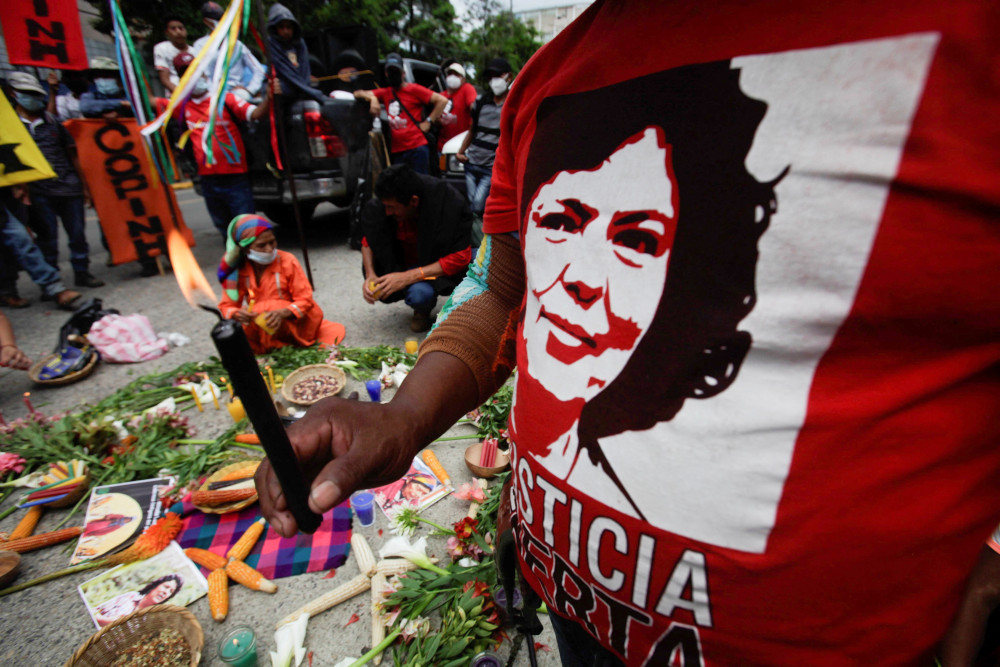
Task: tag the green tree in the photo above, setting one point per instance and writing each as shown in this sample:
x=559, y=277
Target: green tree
x=498, y=33
x=145, y=17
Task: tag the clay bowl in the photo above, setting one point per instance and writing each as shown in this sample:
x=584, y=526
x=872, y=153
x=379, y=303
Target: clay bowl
x=472, y=461
x=10, y=567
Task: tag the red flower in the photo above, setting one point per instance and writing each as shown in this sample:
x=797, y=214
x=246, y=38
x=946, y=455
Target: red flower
x=465, y=528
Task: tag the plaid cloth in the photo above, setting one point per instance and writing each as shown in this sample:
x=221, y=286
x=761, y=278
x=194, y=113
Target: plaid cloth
x=273, y=556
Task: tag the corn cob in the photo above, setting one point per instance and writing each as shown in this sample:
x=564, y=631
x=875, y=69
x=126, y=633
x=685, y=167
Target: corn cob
x=26, y=526
x=218, y=594
x=391, y=566
x=431, y=459
x=345, y=591
x=207, y=559
x=43, y=540
x=244, y=545
x=363, y=554
x=222, y=496
x=242, y=573
x=379, y=585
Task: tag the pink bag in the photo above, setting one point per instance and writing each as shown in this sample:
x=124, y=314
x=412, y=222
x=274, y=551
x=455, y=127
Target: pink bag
x=126, y=339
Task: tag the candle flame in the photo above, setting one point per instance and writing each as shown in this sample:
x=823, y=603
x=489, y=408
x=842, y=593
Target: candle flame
x=189, y=275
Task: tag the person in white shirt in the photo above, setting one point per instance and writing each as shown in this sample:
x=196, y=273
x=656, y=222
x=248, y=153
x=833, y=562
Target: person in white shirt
x=246, y=74
x=165, y=52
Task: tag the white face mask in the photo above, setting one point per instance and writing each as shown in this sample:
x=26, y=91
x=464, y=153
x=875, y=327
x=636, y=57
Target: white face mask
x=453, y=81
x=200, y=87
x=262, y=257
x=498, y=85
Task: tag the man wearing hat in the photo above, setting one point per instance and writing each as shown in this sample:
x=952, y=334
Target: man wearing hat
x=405, y=104
x=461, y=96
x=107, y=98
x=246, y=74
x=60, y=198
x=479, y=148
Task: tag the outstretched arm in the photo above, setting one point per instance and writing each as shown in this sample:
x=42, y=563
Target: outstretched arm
x=982, y=595
x=344, y=445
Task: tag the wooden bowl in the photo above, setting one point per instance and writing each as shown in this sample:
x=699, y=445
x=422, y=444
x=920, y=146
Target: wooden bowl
x=250, y=467
x=311, y=371
x=10, y=567
x=472, y=461
x=108, y=643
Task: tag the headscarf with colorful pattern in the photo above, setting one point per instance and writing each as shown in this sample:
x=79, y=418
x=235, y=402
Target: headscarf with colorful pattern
x=243, y=231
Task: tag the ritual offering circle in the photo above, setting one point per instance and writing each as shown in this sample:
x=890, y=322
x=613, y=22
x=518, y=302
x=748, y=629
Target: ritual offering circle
x=228, y=489
x=131, y=639
x=309, y=384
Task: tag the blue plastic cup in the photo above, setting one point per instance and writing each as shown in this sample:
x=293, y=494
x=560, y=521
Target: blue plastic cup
x=363, y=503
x=374, y=388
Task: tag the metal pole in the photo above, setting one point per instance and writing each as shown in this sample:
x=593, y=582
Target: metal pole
x=283, y=156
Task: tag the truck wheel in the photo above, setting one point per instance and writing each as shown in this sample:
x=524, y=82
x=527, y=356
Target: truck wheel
x=284, y=214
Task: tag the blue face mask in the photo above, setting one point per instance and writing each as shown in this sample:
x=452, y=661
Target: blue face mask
x=109, y=87
x=29, y=102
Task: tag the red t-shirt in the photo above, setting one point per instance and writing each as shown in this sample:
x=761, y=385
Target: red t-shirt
x=786, y=453
x=405, y=134
x=457, y=116
x=230, y=156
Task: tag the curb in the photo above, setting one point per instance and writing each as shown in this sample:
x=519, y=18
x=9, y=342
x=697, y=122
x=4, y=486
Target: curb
x=182, y=185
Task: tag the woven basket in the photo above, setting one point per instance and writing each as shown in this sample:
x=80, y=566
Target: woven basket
x=107, y=644
x=250, y=466
x=69, y=378
x=306, y=372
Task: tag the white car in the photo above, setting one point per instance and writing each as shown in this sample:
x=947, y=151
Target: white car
x=452, y=170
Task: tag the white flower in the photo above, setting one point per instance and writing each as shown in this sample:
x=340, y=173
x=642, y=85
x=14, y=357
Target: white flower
x=289, y=642
x=416, y=553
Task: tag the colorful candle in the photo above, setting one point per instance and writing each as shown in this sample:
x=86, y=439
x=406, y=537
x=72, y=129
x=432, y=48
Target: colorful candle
x=235, y=407
x=194, y=397
x=270, y=378
x=238, y=648
x=27, y=401
x=229, y=387
x=215, y=399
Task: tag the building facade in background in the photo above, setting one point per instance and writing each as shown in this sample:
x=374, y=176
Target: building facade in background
x=548, y=21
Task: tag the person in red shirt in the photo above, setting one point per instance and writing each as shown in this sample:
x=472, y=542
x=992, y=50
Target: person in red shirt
x=416, y=242
x=405, y=104
x=461, y=94
x=225, y=184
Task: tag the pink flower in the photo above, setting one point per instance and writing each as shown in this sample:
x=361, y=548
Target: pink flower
x=10, y=462
x=471, y=492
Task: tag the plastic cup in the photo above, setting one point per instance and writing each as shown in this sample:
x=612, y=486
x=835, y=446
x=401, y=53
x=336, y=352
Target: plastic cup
x=236, y=410
x=374, y=388
x=363, y=503
x=411, y=345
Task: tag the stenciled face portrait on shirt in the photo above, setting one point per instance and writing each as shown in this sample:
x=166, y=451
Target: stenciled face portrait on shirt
x=640, y=241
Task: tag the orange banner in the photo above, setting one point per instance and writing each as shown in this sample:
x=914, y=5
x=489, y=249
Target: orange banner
x=135, y=215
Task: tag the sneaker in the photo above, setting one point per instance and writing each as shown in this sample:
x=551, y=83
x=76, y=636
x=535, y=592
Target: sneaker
x=13, y=301
x=84, y=279
x=421, y=321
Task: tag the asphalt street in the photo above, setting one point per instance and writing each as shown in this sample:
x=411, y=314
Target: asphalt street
x=46, y=624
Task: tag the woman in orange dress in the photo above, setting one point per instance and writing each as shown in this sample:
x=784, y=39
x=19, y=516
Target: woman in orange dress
x=266, y=290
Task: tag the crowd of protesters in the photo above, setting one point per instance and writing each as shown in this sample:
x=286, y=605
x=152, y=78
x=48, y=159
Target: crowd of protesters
x=426, y=235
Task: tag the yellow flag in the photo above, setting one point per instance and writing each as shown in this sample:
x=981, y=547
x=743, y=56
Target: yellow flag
x=20, y=159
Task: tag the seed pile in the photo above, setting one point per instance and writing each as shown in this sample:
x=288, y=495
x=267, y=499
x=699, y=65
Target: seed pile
x=166, y=648
x=315, y=387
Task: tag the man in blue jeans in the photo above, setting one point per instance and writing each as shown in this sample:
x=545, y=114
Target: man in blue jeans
x=416, y=241
x=17, y=248
x=55, y=199
x=479, y=148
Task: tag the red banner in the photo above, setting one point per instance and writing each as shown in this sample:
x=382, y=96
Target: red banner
x=135, y=215
x=43, y=33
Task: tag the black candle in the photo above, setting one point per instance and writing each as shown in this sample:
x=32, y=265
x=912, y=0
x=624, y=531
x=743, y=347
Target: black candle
x=237, y=357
